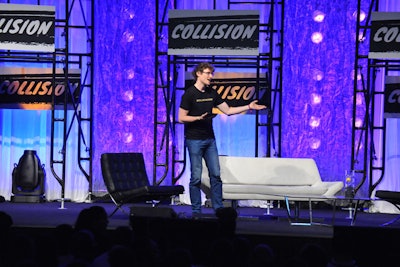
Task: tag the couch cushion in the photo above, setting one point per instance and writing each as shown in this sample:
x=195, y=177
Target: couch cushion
x=251, y=178
x=269, y=171
x=275, y=190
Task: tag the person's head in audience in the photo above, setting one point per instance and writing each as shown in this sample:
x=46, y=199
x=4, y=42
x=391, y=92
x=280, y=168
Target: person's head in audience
x=94, y=219
x=263, y=255
x=314, y=254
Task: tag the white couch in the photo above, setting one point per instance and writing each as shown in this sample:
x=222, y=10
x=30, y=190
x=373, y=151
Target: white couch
x=261, y=178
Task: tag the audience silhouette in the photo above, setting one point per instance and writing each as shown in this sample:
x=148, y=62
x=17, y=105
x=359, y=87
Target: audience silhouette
x=91, y=243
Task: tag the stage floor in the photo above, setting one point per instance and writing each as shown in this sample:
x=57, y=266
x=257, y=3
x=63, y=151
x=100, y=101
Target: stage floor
x=251, y=220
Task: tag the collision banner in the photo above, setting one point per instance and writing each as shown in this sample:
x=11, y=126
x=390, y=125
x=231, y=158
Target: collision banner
x=37, y=86
x=27, y=27
x=385, y=35
x=236, y=88
x=392, y=97
x=213, y=32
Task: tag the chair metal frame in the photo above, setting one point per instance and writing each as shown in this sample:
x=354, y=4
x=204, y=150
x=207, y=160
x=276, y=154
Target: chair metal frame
x=392, y=197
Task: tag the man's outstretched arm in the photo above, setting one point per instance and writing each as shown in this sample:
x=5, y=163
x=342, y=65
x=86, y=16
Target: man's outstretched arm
x=236, y=110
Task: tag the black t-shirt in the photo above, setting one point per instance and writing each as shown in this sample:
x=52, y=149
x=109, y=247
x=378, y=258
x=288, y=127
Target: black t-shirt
x=198, y=103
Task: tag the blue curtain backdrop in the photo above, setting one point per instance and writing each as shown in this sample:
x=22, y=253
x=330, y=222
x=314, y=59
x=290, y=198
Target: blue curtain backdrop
x=124, y=95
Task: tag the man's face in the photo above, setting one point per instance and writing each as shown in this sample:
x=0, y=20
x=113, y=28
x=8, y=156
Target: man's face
x=205, y=77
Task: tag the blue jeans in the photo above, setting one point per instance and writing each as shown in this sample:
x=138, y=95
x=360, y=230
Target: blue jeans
x=207, y=149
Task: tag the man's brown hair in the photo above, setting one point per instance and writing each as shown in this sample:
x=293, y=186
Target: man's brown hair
x=201, y=67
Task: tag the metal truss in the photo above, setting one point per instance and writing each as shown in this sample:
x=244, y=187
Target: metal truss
x=67, y=57
x=169, y=154
x=368, y=137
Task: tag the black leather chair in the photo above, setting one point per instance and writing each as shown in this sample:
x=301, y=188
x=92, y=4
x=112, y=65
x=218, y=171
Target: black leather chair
x=392, y=197
x=126, y=179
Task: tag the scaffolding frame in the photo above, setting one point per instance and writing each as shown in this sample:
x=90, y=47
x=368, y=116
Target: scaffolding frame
x=369, y=139
x=169, y=158
x=66, y=57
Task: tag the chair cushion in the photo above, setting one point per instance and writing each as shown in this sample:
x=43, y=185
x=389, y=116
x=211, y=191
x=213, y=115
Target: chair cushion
x=125, y=177
x=123, y=171
x=390, y=196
